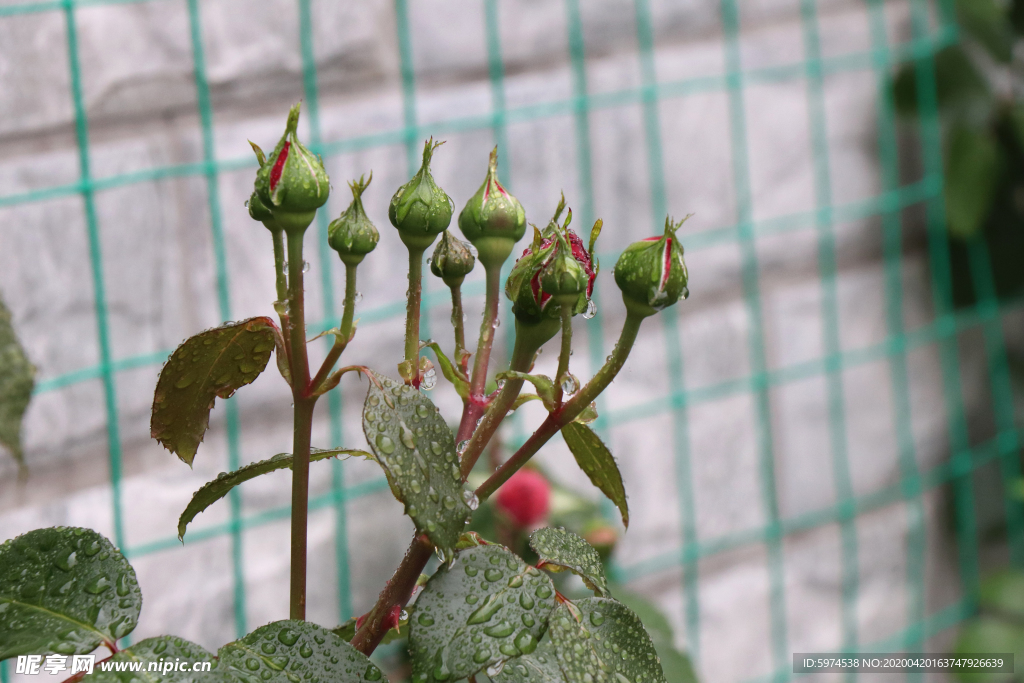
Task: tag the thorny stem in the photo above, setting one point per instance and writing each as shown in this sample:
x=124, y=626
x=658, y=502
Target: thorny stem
x=568, y=412
x=282, y=281
x=341, y=340
x=563, y=356
x=303, y=425
x=476, y=404
x=400, y=587
x=412, y=311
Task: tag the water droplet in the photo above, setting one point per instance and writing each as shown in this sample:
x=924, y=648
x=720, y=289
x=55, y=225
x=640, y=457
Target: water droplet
x=481, y=655
x=429, y=380
x=470, y=499
x=372, y=673
x=66, y=561
x=484, y=612
x=252, y=664
x=306, y=651
x=516, y=581
x=525, y=642
x=471, y=570
x=499, y=630
x=449, y=503
x=425, y=620
x=385, y=444
x=461, y=448
x=185, y=381
x=591, y=309
x=497, y=322
x=528, y=620
x=496, y=668
x=305, y=266
x=98, y=585
x=570, y=385
x=123, y=586
x=435, y=447
x=526, y=601
x=408, y=440
x=358, y=297
x=543, y=591
x=268, y=648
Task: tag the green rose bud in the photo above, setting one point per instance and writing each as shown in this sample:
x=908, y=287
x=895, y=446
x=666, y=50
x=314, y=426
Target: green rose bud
x=293, y=183
x=493, y=220
x=420, y=209
x=452, y=260
x=352, y=234
x=563, y=277
x=651, y=273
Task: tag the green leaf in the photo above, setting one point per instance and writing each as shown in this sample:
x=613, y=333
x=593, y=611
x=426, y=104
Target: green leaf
x=64, y=590
x=989, y=635
x=17, y=379
x=289, y=651
x=162, y=652
x=542, y=383
x=961, y=88
x=214, y=490
x=484, y=609
x=213, y=363
x=989, y=24
x=676, y=664
x=597, y=462
x=448, y=370
x=566, y=550
x=973, y=166
x=416, y=449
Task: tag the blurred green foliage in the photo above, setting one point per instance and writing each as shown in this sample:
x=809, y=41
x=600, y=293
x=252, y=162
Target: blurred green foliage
x=980, y=93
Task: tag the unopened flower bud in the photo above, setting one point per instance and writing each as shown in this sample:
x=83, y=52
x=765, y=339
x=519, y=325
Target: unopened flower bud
x=525, y=498
x=651, y=273
x=352, y=234
x=452, y=260
x=420, y=209
x=493, y=220
x=293, y=183
x=544, y=271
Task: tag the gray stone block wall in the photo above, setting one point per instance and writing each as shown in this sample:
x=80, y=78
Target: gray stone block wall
x=159, y=272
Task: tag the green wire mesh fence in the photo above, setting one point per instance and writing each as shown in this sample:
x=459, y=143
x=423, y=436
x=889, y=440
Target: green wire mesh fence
x=932, y=27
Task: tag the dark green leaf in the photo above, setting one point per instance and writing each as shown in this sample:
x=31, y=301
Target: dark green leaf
x=64, y=590
x=162, y=652
x=972, y=171
x=601, y=639
x=289, y=651
x=416, y=449
x=597, y=462
x=1003, y=594
x=213, y=363
x=989, y=635
x=676, y=665
x=17, y=379
x=566, y=550
x=449, y=371
x=214, y=490
x=486, y=608
x=960, y=86
x=988, y=23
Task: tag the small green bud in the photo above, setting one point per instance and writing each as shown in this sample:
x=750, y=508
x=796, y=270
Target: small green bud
x=452, y=260
x=651, y=273
x=563, y=277
x=493, y=220
x=292, y=183
x=352, y=234
x=420, y=209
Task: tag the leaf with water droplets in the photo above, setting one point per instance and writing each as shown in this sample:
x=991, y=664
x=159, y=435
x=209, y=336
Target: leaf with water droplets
x=17, y=379
x=486, y=608
x=560, y=549
x=416, y=449
x=290, y=651
x=64, y=590
x=597, y=462
x=165, y=652
x=213, y=363
x=595, y=640
x=213, y=491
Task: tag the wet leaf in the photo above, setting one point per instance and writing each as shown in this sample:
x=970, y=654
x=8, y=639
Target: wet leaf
x=487, y=607
x=290, y=651
x=676, y=664
x=214, y=490
x=416, y=449
x=17, y=379
x=165, y=651
x=597, y=462
x=565, y=550
x=64, y=590
x=213, y=363
x=973, y=165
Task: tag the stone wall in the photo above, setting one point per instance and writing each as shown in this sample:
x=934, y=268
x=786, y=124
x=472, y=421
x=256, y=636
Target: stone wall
x=159, y=271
